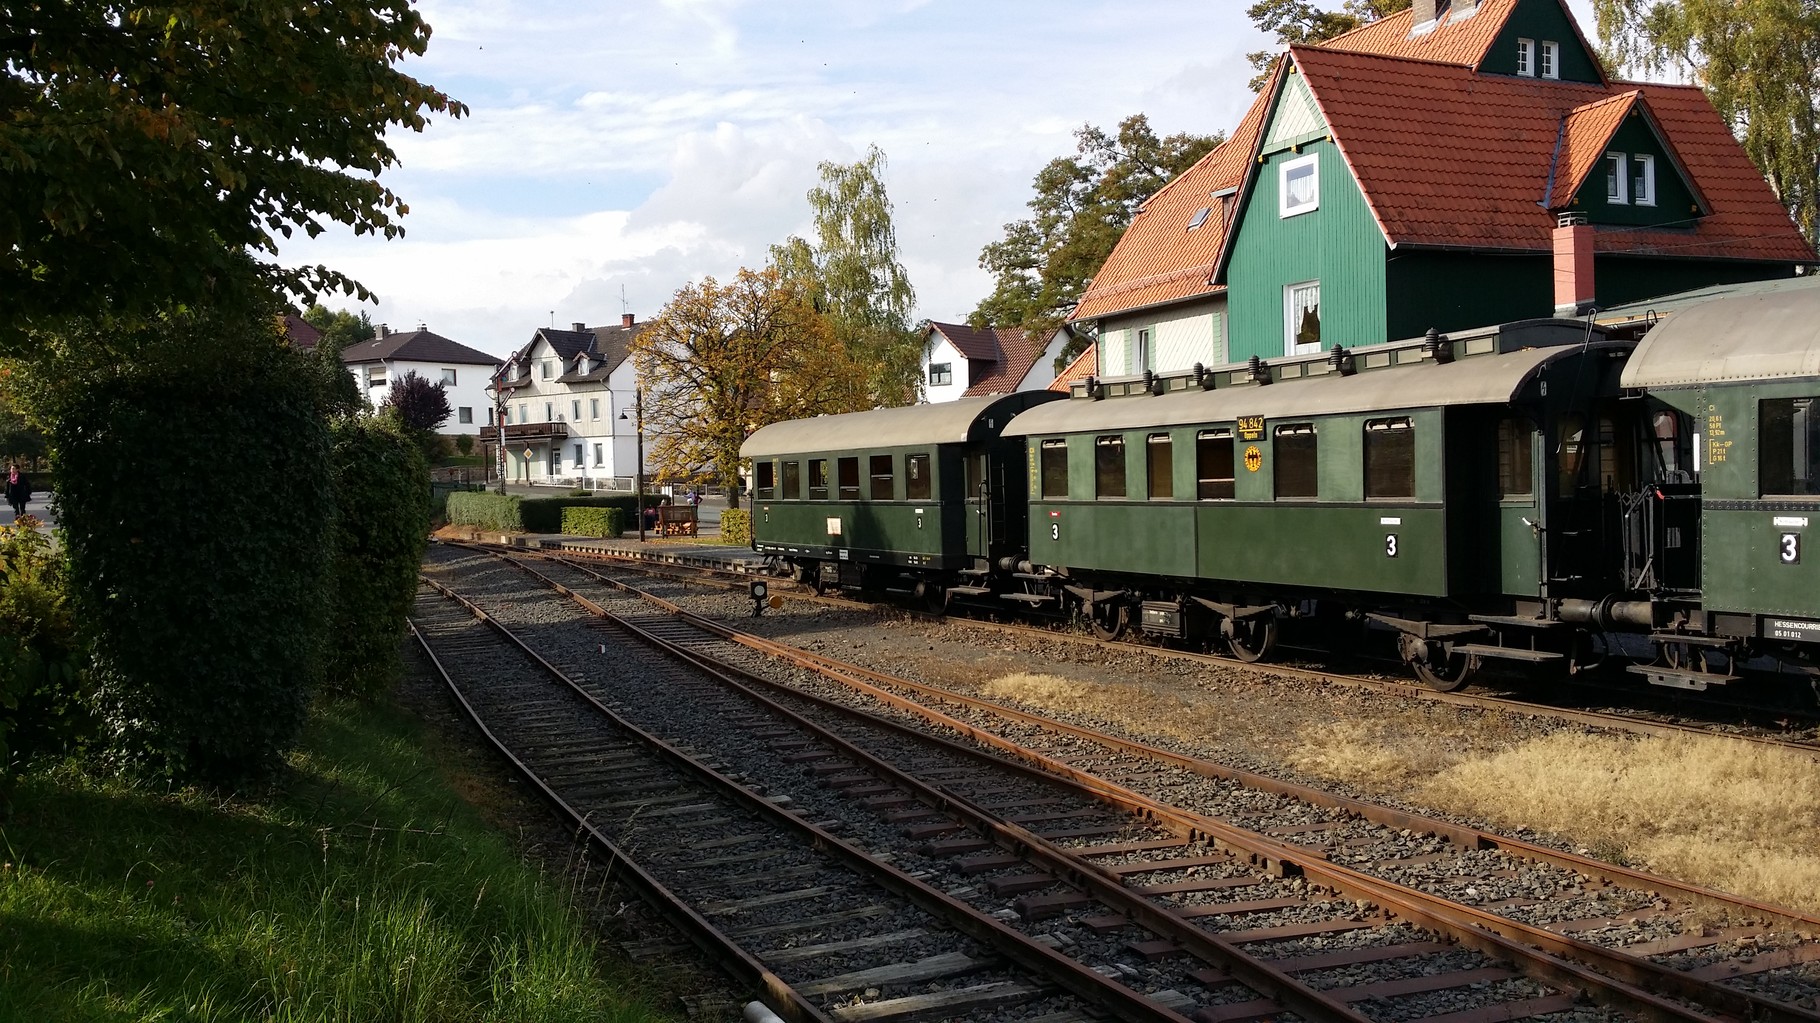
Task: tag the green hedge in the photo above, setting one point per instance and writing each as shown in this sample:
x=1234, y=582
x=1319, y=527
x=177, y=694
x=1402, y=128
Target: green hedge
x=487, y=511
x=736, y=526
x=544, y=514
x=382, y=515
x=204, y=582
x=594, y=521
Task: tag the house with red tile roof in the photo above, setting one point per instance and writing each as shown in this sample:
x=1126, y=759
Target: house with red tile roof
x=1455, y=165
x=965, y=362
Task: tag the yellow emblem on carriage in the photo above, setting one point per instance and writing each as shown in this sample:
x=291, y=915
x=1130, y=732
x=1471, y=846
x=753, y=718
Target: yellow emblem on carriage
x=1254, y=459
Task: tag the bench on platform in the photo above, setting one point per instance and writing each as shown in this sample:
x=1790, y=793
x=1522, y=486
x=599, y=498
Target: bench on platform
x=676, y=520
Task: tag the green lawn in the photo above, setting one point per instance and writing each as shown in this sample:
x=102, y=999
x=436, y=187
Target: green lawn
x=364, y=890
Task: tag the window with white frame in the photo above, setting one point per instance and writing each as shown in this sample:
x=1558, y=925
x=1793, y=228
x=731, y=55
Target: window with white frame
x=448, y=377
x=506, y=419
x=555, y=459
x=600, y=457
x=1141, y=346
x=941, y=373
x=375, y=376
x=1617, y=171
x=1526, y=57
x=575, y=412
x=1643, y=179
x=543, y=369
x=549, y=412
x=465, y=414
x=524, y=412
x=1549, y=62
x=578, y=456
x=593, y=408
x=1299, y=186
x=1302, y=318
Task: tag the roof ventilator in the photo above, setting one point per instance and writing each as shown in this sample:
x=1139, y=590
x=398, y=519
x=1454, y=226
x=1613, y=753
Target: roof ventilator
x=1437, y=346
x=1155, y=384
x=1203, y=378
x=1095, y=389
x=1258, y=370
x=1342, y=361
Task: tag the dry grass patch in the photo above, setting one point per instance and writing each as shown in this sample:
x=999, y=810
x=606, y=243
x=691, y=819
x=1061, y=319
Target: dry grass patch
x=1137, y=706
x=1712, y=811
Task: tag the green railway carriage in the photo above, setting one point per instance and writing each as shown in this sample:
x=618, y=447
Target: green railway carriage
x=927, y=497
x=1744, y=374
x=1457, y=490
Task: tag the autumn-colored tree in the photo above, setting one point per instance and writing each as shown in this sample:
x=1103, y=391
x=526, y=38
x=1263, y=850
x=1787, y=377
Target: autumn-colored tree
x=1297, y=21
x=1759, y=63
x=145, y=147
x=853, y=275
x=722, y=360
x=1082, y=205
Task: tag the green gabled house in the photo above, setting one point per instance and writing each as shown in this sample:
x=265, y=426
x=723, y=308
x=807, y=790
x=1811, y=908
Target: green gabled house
x=1452, y=166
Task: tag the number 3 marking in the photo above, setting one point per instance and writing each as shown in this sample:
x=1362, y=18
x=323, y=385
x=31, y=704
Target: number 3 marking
x=1390, y=545
x=1791, y=548
x=1055, y=530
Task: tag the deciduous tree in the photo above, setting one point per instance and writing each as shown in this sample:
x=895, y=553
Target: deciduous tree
x=722, y=360
x=1297, y=21
x=1082, y=205
x=854, y=276
x=146, y=146
x=419, y=404
x=1759, y=63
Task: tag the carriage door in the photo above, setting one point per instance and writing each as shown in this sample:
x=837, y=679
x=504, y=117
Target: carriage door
x=980, y=527
x=1594, y=463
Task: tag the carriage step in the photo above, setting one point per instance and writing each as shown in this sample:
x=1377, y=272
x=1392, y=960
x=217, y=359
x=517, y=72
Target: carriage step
x=968, y=591
x=1033, y=599
x=974, y=573
x=1676, y=678
x=1508, y=653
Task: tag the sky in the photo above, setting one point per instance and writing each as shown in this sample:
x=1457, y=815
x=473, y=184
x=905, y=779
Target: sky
x=618, y=151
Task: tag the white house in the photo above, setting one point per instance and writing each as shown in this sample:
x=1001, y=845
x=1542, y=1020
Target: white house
x=563, y=396
x=964, y=361
x=464, y=372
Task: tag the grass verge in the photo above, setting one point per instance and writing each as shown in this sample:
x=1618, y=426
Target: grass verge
x=363, y=889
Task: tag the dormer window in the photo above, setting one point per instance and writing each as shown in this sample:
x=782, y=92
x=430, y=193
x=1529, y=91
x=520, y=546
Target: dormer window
x=1526, y=58
x=1549, y=61
x=1299, y=186
x=1200, y=217
x=1617, y=175
x=1643, y=179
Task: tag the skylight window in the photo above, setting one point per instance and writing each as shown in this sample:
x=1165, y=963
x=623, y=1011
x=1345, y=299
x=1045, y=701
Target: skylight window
x=1200, y=217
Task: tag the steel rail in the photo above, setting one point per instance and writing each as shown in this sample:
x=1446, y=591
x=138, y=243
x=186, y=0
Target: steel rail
x=1491, y=933
x=1015, y=946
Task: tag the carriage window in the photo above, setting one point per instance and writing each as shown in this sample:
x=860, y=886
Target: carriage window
x=1671, y=463
x=1515, y=478
x=1617, y=462
x=1571, y=450
x=793, y=482
x=1055, y=468
x=818, y=479
x=764, y=486
x=916, y=477
x=881, y=477
x=1213, y=465
x=849, y=478
x=1788, y=438
x=1390, y=458
x=1109, y=466
x=976, y=474
x=1295, y=461
x=1161, y=472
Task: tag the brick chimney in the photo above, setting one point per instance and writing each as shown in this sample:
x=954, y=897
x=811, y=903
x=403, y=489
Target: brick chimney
x=1424, y=11
x=1573, y=265
x=579, y=327
x=382, y=332
x=625, y=319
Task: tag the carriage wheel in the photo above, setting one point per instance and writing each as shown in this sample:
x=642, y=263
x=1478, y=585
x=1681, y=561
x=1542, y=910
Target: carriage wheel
x=1442, y=670
x=1109, y=619
x=1251, y=639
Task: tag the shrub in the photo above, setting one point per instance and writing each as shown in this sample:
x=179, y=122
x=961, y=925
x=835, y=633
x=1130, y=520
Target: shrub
x=43, y=708
x=594, y=521
x=464, y=443
x=485, y=510
x=382, y=514
x=203, y=582
x=736, y=526
x=544, y=514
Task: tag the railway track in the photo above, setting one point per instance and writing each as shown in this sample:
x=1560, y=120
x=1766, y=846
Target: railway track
x=1227, y=898
x=710, y=572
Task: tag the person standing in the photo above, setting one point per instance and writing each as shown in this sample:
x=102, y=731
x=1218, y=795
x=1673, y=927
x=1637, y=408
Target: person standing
x=18, y=489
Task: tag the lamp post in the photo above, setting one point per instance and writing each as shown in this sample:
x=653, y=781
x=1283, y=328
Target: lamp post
x=501, y=394
x=638, y=471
